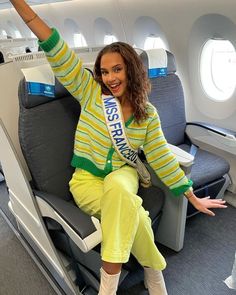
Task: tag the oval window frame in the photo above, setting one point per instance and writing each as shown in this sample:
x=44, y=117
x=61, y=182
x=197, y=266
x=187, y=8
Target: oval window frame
x=213, y=89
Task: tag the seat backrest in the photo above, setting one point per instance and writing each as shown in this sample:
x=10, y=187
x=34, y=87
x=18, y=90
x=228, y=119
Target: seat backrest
x=167, y=93
x=46, y=133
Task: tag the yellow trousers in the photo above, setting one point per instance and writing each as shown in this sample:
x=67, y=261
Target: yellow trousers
x=126, y=226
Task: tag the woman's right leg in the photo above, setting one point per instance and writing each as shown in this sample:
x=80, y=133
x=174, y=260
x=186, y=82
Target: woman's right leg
x=131, y=228
x=87, y=191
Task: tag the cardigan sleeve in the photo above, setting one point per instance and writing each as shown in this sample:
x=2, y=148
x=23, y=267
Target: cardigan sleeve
x=162, y=160
x=68, y=68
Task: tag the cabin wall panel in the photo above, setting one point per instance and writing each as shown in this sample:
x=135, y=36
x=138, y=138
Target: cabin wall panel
x=177, y=20
x=9, y=105
x=204, y=28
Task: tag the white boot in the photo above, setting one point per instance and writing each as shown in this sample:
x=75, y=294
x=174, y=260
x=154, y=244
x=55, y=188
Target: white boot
x=154, y=281
x=108, y=283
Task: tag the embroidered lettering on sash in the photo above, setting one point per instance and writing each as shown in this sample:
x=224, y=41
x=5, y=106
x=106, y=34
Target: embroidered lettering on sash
x=116, y=128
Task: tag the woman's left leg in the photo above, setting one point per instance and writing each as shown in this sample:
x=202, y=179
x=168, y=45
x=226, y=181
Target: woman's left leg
x=119, y=214
x=130, y=228
x=125, y=223
x=87, y=191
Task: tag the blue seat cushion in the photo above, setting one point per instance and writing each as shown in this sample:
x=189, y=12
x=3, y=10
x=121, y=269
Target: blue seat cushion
x=207, y=167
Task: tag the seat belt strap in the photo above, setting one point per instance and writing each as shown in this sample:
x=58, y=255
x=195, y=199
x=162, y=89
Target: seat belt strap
x=193, y=149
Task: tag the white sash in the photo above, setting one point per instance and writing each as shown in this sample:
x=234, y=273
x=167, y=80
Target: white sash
x=116, y=128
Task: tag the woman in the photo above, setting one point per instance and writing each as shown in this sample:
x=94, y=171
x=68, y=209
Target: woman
x=103, y=184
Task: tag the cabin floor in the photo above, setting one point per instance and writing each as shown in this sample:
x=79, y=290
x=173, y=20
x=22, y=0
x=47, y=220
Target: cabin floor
x=199, y=268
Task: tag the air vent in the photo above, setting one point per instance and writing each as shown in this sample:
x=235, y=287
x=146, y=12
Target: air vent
x=28, y=57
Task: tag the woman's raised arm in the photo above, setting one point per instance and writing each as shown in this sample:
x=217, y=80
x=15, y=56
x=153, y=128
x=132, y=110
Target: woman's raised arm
x=32, y=20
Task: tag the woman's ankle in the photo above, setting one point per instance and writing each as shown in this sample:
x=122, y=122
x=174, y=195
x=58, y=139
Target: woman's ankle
x=111, y=268
x=154, y=281
x=108, y=283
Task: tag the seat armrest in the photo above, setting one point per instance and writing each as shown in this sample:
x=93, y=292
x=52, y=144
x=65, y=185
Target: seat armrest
x=218, y=130
x=82, y=228
x=171, y=228
x=185, y=159
x=202, y=134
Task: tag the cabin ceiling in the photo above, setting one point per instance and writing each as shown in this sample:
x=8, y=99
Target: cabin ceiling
x=5, y=4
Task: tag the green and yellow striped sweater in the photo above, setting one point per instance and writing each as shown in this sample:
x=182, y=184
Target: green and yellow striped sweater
x=93, y=150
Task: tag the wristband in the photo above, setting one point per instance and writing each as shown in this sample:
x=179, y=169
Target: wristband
x=30, y=20
x=189, y=193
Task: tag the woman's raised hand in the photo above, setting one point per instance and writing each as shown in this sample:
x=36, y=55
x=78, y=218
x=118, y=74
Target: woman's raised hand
x=32, y=20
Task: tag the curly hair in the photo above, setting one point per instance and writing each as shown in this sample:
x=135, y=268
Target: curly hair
x=138, y=85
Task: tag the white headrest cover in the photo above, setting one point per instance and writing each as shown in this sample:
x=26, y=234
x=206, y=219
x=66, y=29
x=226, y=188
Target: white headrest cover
x=157, y=62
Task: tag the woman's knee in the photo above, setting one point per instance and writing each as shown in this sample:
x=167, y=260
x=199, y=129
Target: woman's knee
x=118, y=199
x=122, y=180
x=144, y=218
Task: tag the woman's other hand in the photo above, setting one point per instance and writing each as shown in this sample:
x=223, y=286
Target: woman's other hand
x=204, y=204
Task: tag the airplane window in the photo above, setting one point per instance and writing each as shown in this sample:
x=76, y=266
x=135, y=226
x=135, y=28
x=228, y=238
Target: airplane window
x=218, y=69
x=4, y=34
x=154, y=42
x=18, y=34
x=32, y=35
x=79, y=40
x=108, y=39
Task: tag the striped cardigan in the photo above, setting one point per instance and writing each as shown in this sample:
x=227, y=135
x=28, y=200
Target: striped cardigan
x=93, y=150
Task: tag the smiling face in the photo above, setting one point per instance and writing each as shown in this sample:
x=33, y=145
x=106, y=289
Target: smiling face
x=113, y=71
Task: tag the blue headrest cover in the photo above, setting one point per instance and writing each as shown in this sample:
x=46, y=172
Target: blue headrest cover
x=30, y=99
x=40, y=86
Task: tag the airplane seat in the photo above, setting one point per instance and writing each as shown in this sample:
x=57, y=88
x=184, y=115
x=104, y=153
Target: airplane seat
x=209, y=171
x=46, y=133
